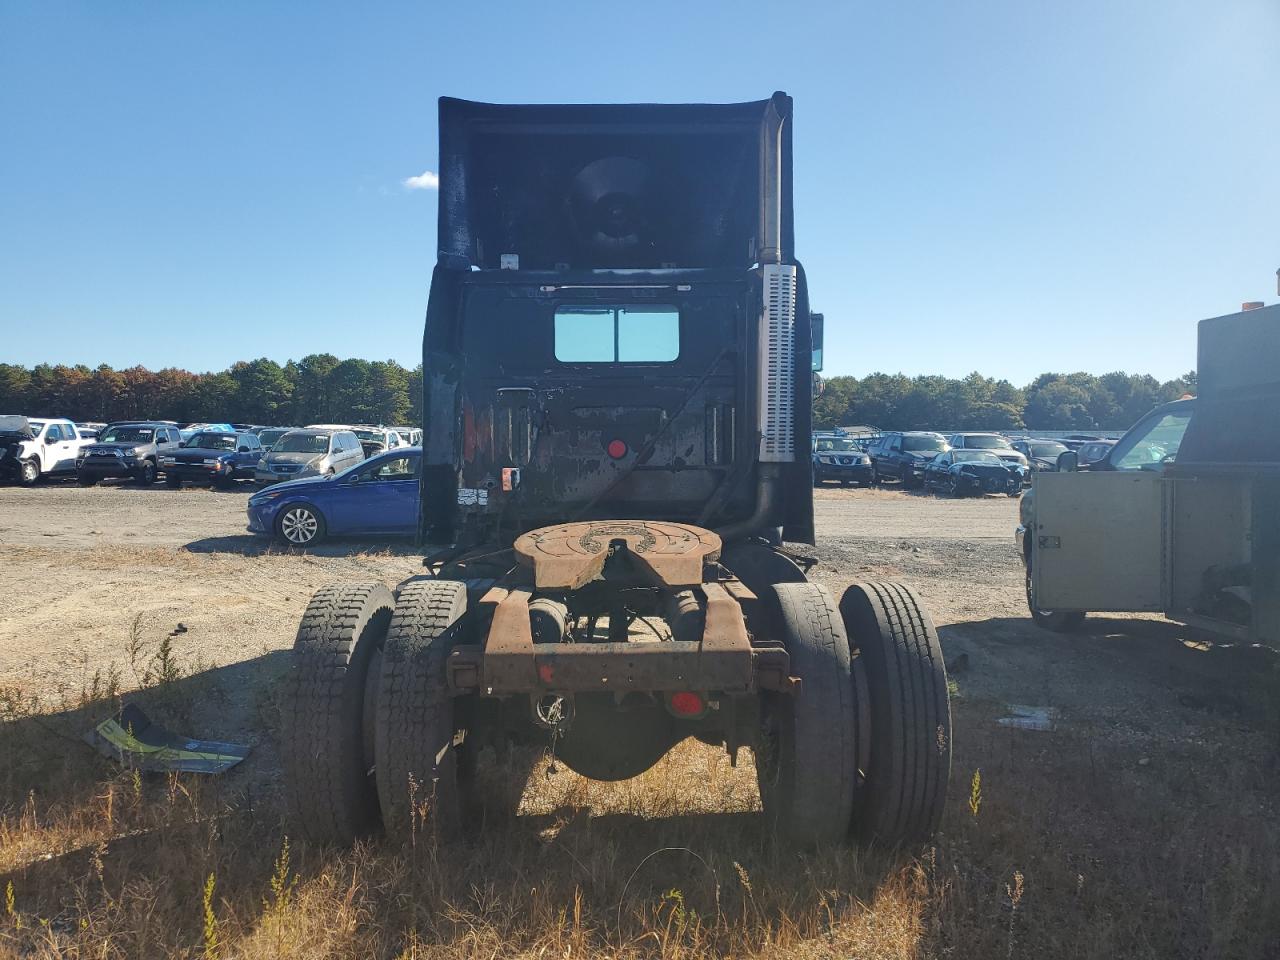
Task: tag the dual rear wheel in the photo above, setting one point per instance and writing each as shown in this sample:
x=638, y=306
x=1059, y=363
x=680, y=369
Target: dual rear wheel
x=370, y=731
x=864, y=747
x=372, y=735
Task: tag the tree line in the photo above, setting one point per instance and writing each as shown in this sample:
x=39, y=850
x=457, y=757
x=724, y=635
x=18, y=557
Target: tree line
x=320, y=388
x=1053, y=401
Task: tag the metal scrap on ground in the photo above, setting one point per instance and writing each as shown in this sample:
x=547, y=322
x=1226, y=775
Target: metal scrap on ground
x=134, y=741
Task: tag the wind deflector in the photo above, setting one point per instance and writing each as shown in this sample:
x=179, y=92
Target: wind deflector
x=615, y=186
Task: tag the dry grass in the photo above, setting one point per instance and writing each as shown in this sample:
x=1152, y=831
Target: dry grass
x=1066, y=846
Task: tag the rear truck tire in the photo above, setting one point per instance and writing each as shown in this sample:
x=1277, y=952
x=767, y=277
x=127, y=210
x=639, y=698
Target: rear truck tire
x=86, y=480
x=905, y=789
x=146, y=474
x=300, y=525
x=329, y=785
x=760, y=566
x=807, y=755
x=29, y=472
x=686, y=616
x=172, y=482
x=423, y=775
x=1059, y=621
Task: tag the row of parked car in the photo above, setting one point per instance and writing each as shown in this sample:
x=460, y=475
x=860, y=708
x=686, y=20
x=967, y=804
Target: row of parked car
x=221, y=454
x=959, y=464
x=316, y=481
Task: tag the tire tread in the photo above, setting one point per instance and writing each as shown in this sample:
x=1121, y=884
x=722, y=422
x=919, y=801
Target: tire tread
x=415, y=709
x=321, y=745
x=817, y=806
x=911, y=714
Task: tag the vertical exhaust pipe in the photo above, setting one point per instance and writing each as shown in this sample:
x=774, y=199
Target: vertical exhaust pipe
x=775, y=341
x=771, y=183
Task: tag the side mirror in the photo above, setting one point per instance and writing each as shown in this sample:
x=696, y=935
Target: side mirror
x=815, y=340
x=242, y=449
x=1068, y=461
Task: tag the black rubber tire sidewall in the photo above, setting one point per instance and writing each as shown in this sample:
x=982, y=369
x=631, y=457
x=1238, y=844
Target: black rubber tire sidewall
x=760, y=566
x=808, y=774
x=330, y=794
x=146, y=474
x=418, y=769
x=902, y=799
x=28, y=473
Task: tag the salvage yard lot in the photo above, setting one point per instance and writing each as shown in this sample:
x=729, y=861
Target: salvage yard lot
x=1144, y=824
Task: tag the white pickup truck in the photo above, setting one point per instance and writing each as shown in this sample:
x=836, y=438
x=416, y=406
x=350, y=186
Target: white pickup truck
x=31, y=449
x=1182, y=517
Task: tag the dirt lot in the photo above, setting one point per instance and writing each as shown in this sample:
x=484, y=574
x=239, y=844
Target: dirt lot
x=1143, y=824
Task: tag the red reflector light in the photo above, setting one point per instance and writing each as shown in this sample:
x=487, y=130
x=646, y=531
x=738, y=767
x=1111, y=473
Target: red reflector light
x=686, y=704
x=616, y=449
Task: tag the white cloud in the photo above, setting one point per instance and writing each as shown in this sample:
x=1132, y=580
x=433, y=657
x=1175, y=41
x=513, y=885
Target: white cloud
x=427, y=180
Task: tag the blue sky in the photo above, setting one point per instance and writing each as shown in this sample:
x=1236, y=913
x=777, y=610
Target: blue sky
x=1010, y=186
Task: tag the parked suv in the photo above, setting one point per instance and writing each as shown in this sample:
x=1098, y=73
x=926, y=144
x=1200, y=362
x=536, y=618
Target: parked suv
x=31, y=449
x=376, y=440
x=992, y=443
x=216, y=456
x=837, y=457
x=269, y=435
x=1040, y=454
x=411, y=436
x=310, y=453
x=127, y=449
x=902, y=455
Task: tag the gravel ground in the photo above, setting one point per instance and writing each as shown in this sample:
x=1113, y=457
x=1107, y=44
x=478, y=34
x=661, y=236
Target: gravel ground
x=1143, y=823
x=96, y=578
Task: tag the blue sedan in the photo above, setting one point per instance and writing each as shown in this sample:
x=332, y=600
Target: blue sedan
x=377, y=496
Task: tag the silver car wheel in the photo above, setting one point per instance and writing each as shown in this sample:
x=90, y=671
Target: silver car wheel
x=299, y=525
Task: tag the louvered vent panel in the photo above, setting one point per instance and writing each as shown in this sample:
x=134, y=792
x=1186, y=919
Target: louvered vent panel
x=778, y=365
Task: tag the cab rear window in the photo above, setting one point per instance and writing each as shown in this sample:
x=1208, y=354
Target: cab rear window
x=617, y=334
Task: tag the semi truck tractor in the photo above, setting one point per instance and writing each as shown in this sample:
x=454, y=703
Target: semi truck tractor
x=617, y=379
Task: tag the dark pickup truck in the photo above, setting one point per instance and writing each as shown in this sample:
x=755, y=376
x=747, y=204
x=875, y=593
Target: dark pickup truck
x=212, y=457
x=902, y=456
x=127, y=449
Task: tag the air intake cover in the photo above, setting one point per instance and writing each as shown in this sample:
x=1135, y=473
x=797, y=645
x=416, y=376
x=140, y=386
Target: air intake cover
x=778, y=365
